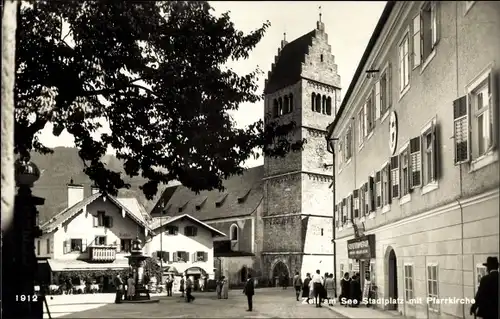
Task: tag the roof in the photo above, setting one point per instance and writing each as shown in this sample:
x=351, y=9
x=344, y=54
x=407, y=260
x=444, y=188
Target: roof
x=248, y=188
x=288, y=69
x=162, y=221
x=364, y=58
x=74, y=210
x=135, y=208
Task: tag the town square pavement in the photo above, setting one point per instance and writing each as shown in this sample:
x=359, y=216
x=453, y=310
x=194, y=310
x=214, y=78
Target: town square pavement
x=268, y=303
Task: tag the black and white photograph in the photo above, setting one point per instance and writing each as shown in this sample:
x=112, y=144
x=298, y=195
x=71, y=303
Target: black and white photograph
x=250, y=159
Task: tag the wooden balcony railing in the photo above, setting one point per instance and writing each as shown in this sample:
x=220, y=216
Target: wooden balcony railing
x=102, y=253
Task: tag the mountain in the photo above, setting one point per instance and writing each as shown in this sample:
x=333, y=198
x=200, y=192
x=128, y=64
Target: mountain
x=58, y=168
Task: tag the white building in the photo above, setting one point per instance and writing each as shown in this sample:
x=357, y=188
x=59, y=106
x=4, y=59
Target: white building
x=184, y=243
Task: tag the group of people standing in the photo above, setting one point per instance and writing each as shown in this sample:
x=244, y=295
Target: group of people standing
x=222, y=288
x=351, y=293
x=316, y=287
x=119, y=284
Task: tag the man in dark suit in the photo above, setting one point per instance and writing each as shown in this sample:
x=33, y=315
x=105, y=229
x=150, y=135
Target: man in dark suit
x=118, y=283
x=249, y=291
x=487, y=294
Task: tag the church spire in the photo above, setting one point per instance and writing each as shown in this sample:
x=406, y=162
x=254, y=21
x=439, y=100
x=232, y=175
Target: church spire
x=319, y=13
x=284, y=42
x=320, y=25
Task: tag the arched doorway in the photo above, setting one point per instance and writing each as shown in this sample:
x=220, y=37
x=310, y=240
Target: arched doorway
x=393, y=279
x=280, y=270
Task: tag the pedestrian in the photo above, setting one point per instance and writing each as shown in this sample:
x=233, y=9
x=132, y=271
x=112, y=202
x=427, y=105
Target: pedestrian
x=355, y=290
x=486, y=305
x=118, y=282
x=311, y=291
x=345, y=286
x=189, y=290
x=305, y=287
x=181, y=286
x=286, y=280
x=297, y=284
x=130, y=287
x=219, y=288
x=249, y=291
x=224, y=288
x=317, y=281
x=367, y=287
x=330, y=289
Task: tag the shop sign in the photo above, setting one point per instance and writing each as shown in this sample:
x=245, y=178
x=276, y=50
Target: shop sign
x=362, y=247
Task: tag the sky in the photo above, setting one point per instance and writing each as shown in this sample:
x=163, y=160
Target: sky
x=349, y=26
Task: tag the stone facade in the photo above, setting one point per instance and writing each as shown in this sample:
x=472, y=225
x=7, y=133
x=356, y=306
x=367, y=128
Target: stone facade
x=446, y=225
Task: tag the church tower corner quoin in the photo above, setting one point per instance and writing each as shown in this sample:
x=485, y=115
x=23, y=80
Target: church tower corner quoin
x=303, y=86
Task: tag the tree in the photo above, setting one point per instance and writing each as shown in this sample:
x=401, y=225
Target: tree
x=155, y=71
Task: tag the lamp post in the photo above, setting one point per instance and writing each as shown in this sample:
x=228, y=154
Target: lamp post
x=20, y=269
x=330, y=146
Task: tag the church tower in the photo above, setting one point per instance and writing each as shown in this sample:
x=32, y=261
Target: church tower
x=303, y=86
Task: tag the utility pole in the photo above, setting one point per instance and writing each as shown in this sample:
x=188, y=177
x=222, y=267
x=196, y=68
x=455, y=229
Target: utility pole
x=331, y=149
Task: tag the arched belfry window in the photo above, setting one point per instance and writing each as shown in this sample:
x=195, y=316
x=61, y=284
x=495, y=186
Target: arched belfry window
x=329, y=106
x=318, y=103
x=313, y=101
x=280, y=106
x=290, y=107
x=275, y=108
x=323, y=105
x=234, y=232
x=287, y=105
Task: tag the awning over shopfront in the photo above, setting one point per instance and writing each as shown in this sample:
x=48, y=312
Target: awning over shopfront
x=75, y=265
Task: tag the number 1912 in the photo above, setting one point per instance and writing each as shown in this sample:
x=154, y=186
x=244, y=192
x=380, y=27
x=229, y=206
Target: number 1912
x=26, y=298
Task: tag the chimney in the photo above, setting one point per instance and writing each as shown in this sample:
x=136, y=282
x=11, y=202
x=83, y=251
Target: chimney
x=94, y=189
x=75, y=193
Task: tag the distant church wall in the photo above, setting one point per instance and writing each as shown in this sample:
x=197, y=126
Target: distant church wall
x=317, y=197
x=283, y=195
x=283, y=234
x=319, y=236
x=244, y=232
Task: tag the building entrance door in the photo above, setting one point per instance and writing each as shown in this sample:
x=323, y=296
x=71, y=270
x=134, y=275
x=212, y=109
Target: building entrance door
x=393, y=280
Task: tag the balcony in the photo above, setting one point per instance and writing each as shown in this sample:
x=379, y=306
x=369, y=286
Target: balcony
x=102, y=253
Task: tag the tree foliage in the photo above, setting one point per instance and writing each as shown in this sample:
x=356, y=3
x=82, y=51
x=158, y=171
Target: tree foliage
x=154, y=70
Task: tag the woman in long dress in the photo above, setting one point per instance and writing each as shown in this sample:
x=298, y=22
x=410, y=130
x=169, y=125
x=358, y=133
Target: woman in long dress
x=225, y=288
x=305, y=287
x=130, y=287
x=330, y=289
x=219, y=289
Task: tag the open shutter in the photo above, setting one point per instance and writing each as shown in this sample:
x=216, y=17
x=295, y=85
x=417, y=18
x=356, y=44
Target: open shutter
x=417, y=52
x=435, y=23
x=95, y=220
x=186, y=254
x=415, y=163
x=493, y=107
x=118, y=245
x=389, y=86
x=355, y=195
x=344, y=213
x=366, y=208
x=205, y=256
x=65, y=247
x=175, y=256
x=395, y=176
x=351, y=207
x=167, y=256
x=377, y=100
x=461, y=130
x=84, y=245
x=378, y=189
x=194, y=257
x=68, y=246
x=365, y=116
x=337, y=218
x=371, y=192
x=435, y=152
x=389, y=185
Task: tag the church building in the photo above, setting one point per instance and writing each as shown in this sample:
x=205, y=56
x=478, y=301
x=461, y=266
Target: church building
x=278, y=216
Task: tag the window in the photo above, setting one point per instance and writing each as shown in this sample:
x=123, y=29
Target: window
x=76, y=245
x=366, y=202
x=290, y=105
x=378, y=189
x=323, y=105
x=348, y=144
x=329, y=106
x=100, y=240
x=234, y=232
x=385, y=90
x=395, y=176
x=313, y=102
x=404, y=61
x=433, y=287
x=428, y=29
x=369, y=114
x=429, y=155
x=201, y=256
x=386, y=185
x=355, y=195
x=276, y=108
x=181, y=256
x=99, y=218
x=417, y=53
x=287, y=104
x=461, y=130
x=321, y=58
x=318, y=103
x=280, y=106
x=321, y=232
x=108, y=221
x=408, y=275
x=361, y=126
x=190, y=231
x=49, y=247
x=415, y=163
x=163, y=255
x=480, y=273
x=480, y=102
x=370, y=198
x=405, y=172
x=38, y=247
x=125, y=245
x=172, y=230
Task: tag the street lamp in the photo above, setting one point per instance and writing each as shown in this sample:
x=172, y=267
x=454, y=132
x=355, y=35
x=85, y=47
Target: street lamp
x=330, y=147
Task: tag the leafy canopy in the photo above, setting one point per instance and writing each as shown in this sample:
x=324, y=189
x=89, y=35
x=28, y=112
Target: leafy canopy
x=154, y=70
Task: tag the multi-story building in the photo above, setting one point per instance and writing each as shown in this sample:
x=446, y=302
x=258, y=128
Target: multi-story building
x=278, y=216
x=184, y=245
x=91, y=235
x=416, y=152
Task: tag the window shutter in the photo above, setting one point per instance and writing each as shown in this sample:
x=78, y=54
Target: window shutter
x=461, y=130
x=389, y=185
x=68, y=246
x=371, y=194
x=205, y=256
x=355, y=195
x=351, y=207
x=377, y=100
x=366, y=205
x=415, y=163
x=395, y=176
x=417, y=52
x=435, y=23
x=164, y=256
x=95, y=221
x=186, y=231
x=493, y=106
x=167, y=256
x=378, y=189
x=84, y=245
x=344, y=213
x=64, y=247
x=195, y=231
x=389, y=86
x=435, y=151
x=186, y=258
x=365, y=116
x=119, y=245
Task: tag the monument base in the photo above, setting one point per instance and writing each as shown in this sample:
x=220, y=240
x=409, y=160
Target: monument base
x=141, y=296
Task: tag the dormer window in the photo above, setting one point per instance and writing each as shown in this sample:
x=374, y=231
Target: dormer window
x=190, y=231
x=172, y=230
